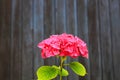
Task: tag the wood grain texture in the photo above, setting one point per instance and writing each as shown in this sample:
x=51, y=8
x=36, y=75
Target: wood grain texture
x=82, y=30
x=60, y=16
x=24, y=23
x=105, y=40
x=71, y=16
x=5, y=30
x=115, y=35
x=94, y=41
x=49, y=27
x=27, y=40
x=38, y=24
x=16, y=38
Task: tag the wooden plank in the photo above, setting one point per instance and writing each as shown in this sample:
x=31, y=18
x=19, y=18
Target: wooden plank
x=83, y=30
x=94, y=43
x=60, y=16
x=71, y=25
x=27, y=40
x=5, y=10
x=49, y=27
x=115, y=35
x=82, y=19
x=38, y=24
x=71, y=15
x=16, y=40
x=105, y=40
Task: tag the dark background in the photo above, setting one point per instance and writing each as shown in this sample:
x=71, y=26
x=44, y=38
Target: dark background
x=24, y=23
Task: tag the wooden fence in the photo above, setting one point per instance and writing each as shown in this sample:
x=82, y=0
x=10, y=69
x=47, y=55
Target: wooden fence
x=24, y=23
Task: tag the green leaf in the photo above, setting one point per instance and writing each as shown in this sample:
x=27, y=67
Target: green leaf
x=78, y=68
x=47, y=73
x=64, y=71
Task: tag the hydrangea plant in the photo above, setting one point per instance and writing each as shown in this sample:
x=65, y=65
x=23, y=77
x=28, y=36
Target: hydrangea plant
x=62, y=46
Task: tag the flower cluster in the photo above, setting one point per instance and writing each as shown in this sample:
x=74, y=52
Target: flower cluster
x=63, y=45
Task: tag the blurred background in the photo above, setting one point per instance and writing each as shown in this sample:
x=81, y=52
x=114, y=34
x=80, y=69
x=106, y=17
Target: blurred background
x=24, y=23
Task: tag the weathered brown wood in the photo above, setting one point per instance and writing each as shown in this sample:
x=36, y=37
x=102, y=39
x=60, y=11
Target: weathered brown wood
x=105, y=40
x=38, y=23
x=115, y=35
x=27, y=40
x=5, y=43
x=94, y=41
x=16, y=47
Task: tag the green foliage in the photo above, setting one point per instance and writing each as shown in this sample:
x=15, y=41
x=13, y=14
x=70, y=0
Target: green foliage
x=47, y=73
x=51, y=72
x=78, y=68
x=64, y=71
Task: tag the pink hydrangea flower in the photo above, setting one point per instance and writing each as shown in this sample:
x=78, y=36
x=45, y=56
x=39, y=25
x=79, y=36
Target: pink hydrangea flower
x=63, y=45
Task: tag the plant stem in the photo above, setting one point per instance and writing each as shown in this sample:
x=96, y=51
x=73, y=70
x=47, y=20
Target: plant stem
x=65, y=64
x=61, y=66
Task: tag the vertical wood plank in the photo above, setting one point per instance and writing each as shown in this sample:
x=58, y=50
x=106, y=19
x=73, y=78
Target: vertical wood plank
x=5, y=10
x=71, y=16
x=49, y=27
x=60, y=16
x=82, y=6
x=105, y=40
x=27, y=40
x=38, y=33
x=48, y=18
x=115, y=35
x=82, y=30
x=94, y=43
x=71, y=25
x=16, y=51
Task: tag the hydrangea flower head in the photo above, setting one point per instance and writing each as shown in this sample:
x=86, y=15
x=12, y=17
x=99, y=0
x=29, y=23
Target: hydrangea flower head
x=63, y=45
